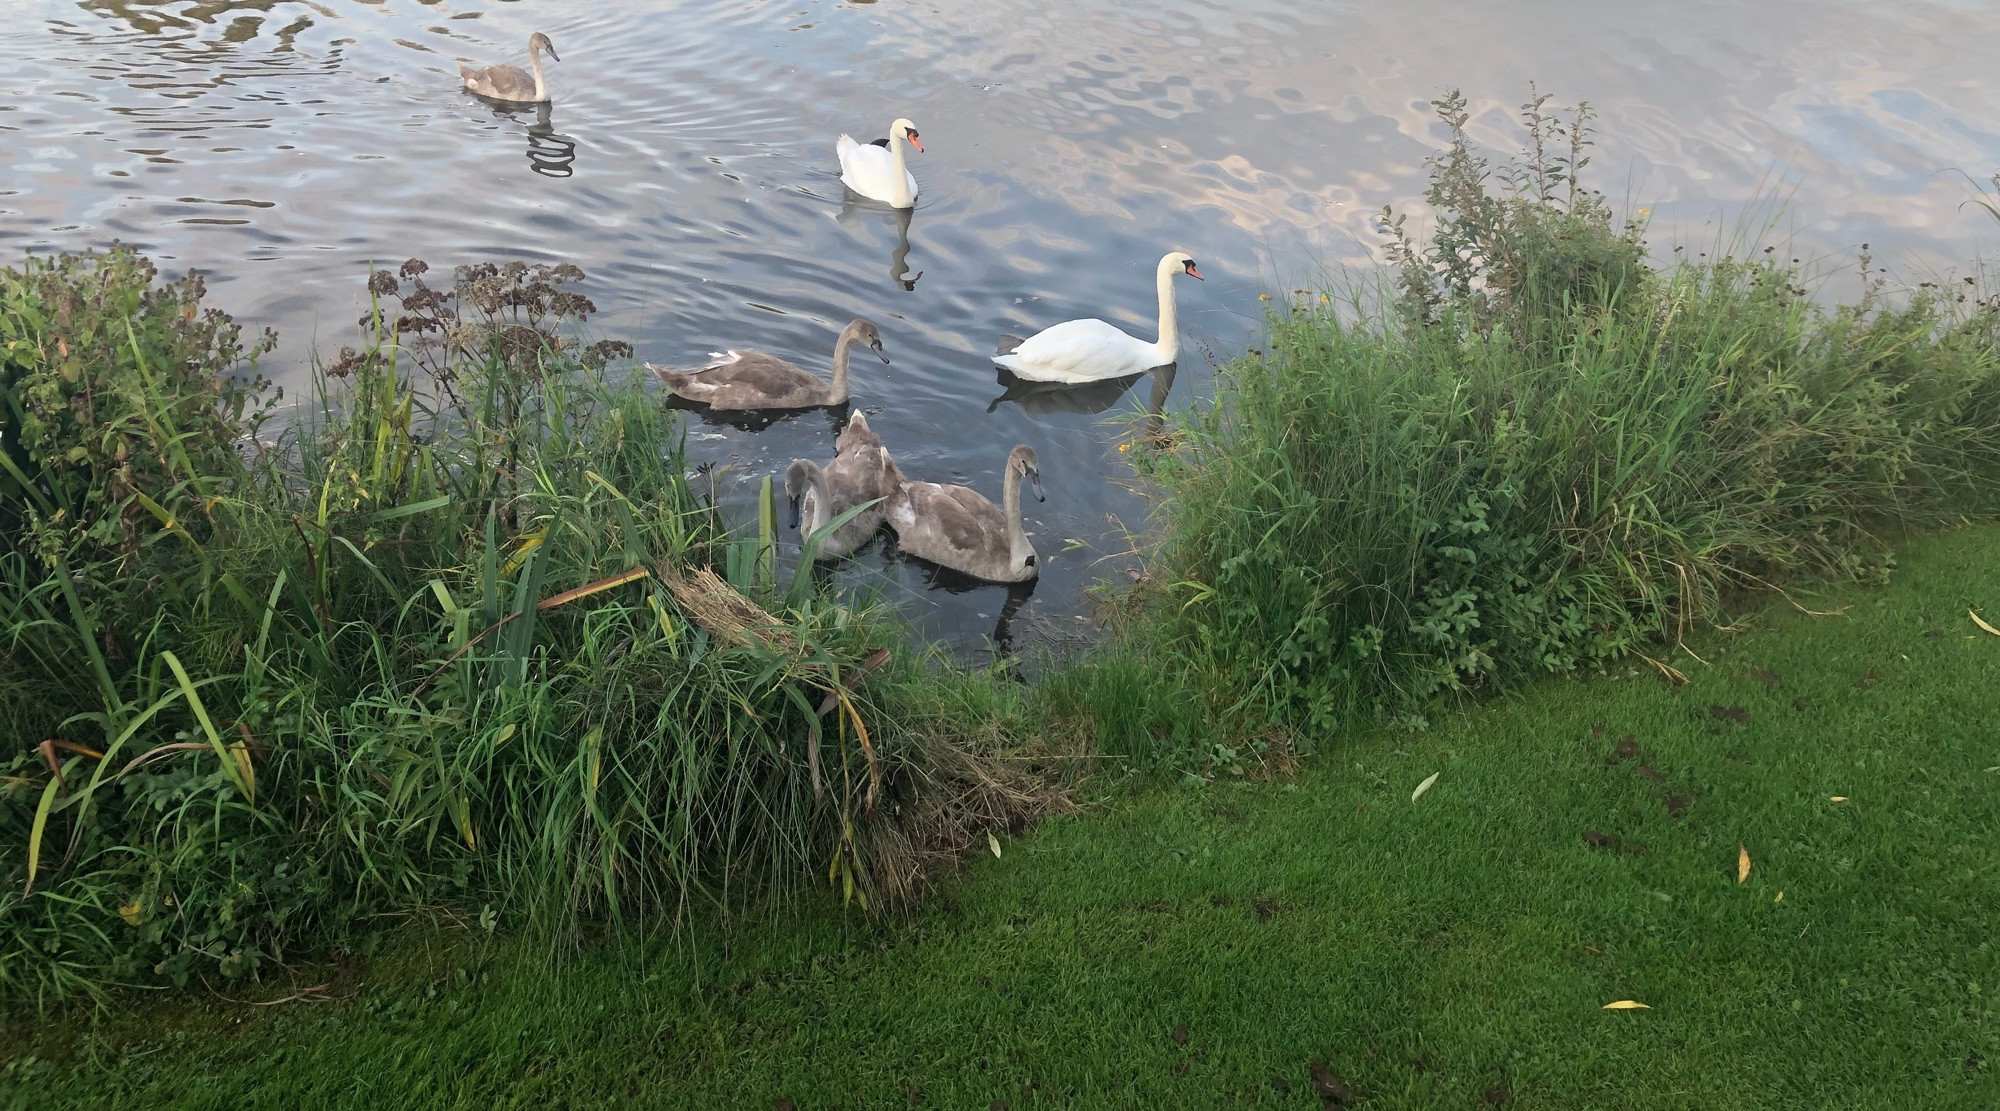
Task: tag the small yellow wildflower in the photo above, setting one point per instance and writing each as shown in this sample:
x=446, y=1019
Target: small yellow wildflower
x=1263, y=297
x=1124, y=447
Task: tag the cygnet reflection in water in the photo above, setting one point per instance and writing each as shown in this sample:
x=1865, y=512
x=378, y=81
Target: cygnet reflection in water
x=855, y=209
x=549, y=154
x=1041, y=400
x=754, y=420
x=957, y=582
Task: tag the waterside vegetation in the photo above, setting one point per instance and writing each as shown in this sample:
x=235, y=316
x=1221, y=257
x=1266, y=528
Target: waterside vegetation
x=1535, y=452
x=458, y=633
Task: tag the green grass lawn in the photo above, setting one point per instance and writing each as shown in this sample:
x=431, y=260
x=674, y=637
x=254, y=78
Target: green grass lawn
x=1205, y=947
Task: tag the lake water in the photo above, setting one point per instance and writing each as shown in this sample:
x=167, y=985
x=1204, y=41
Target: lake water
x=283, y=145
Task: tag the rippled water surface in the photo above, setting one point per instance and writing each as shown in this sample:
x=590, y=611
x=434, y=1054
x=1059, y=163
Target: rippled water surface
x=687, y=165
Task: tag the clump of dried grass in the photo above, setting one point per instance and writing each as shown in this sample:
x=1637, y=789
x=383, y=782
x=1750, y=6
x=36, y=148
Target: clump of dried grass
x=713, y=604
x=982, y=783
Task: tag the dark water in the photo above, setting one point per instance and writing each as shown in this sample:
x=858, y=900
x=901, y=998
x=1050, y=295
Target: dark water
x=687, y=165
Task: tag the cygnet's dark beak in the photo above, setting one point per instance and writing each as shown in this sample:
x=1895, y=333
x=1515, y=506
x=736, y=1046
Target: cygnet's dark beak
x=793, y=523
x=553, y=56
x=1035, y=484
x=882, y=353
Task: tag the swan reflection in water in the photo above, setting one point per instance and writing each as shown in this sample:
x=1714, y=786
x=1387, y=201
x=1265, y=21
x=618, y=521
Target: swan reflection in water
x=549, y=154
x=1042, y=400
x=856, y=208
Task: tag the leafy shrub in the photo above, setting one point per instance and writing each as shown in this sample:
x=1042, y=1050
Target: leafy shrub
x=114, y=394
x=1542, y=253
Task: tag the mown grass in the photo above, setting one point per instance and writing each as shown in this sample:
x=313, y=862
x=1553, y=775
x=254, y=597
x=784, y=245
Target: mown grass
x=1204, y=948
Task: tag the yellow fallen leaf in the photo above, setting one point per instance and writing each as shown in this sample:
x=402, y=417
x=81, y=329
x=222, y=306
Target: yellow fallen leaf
x=1977, y=620
x=1627, y=1005
x=1836, y=798
x=1780, y=898
x=1424, y=786
x=1742, y=864
x=130, y=912
x=993, y=843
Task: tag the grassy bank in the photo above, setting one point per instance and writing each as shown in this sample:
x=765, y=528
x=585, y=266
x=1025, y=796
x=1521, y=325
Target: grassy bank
x=1205, y=948
x=462, y=637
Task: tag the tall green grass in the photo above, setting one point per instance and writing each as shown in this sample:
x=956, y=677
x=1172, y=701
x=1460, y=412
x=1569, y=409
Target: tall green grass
x=1536, y=453
x=432, y=641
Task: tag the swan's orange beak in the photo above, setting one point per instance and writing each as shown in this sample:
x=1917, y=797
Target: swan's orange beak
x=912, y=137
x=1194, y=273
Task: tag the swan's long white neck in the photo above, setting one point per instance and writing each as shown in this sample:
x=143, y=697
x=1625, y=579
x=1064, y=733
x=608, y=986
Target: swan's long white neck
x=899, y=189
x=842, y=347
x=535, y=63
x=1169, y=346
x=1018, y=547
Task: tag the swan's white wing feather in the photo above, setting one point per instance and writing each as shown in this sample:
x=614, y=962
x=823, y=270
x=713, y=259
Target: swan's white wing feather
x=845, y=147
x=1078, y=351
x=870, y=170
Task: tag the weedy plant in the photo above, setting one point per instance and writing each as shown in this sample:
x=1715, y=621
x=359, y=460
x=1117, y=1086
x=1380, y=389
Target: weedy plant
x=450, y=638
x=1536, y=452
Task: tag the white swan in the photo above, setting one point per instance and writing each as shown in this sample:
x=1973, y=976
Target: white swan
x=1091, y=350
x=875, y=170
x=508, y=83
